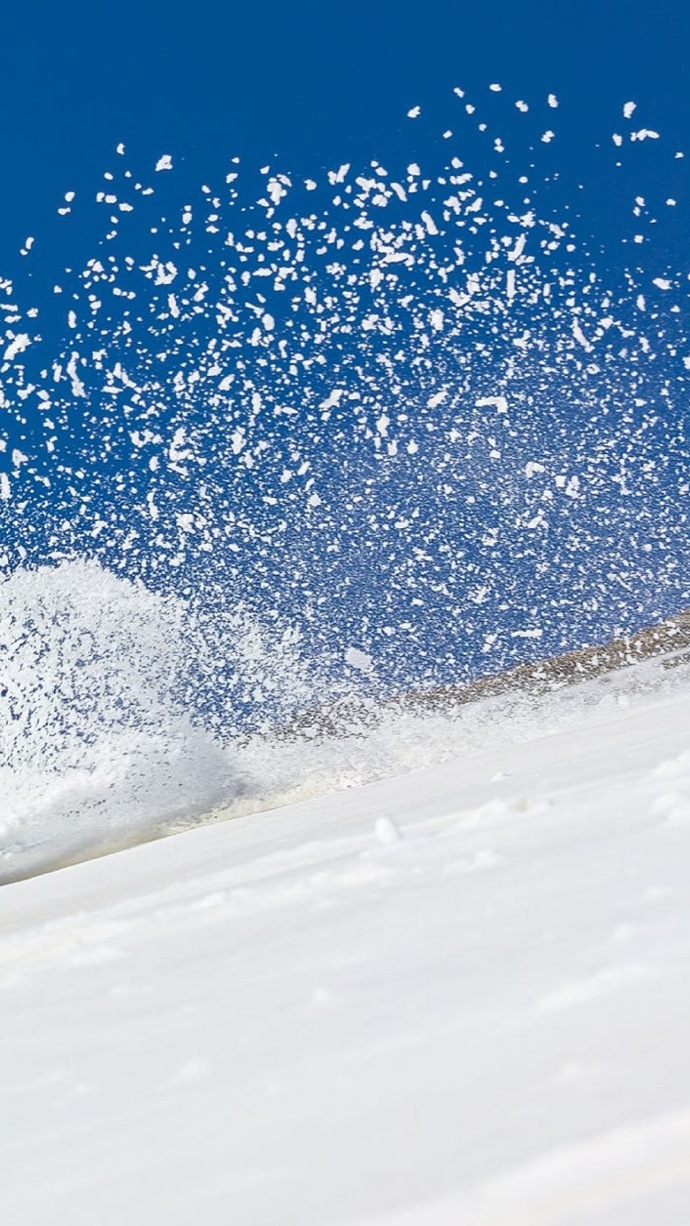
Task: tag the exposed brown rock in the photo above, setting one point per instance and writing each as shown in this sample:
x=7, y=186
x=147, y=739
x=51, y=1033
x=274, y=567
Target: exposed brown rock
x=665, y=639
x=669, y=639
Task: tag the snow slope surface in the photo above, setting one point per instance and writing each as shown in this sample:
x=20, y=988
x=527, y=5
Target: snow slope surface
x=460, y=996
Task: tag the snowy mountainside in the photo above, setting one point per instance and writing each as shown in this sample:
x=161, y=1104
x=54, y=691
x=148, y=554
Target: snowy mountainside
x=459, y=995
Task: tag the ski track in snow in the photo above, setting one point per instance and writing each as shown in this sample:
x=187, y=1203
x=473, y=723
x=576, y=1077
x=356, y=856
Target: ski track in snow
x=455, y=996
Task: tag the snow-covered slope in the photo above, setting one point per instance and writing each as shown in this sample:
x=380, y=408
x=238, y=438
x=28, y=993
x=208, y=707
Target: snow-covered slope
x=458, y=996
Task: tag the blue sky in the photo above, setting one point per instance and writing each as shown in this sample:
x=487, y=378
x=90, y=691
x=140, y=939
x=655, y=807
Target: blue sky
x=414, y=515
x=306, y=80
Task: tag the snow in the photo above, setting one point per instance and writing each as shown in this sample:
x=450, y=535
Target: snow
x=433, y=969
x=459, y=995
x=16, y=346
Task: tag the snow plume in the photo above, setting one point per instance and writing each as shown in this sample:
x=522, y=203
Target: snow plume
x=380, y=429
x=416, y=410
x=104, y=743
x=99, y=740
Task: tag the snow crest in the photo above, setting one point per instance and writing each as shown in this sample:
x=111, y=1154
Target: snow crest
x=94, y=741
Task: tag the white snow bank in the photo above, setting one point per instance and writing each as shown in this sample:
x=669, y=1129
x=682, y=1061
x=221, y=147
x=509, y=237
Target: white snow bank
x=459, y=996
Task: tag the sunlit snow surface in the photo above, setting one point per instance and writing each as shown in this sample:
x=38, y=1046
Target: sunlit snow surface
x=455, y=998
x=280, y=437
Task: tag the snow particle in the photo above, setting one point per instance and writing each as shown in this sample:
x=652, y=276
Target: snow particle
x=386, y=831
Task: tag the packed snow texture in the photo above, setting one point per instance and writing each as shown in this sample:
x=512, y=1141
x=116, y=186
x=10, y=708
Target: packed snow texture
x=455, y=998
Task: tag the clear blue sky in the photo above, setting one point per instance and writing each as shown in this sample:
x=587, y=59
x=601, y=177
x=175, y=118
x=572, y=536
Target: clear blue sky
x=307, y=80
